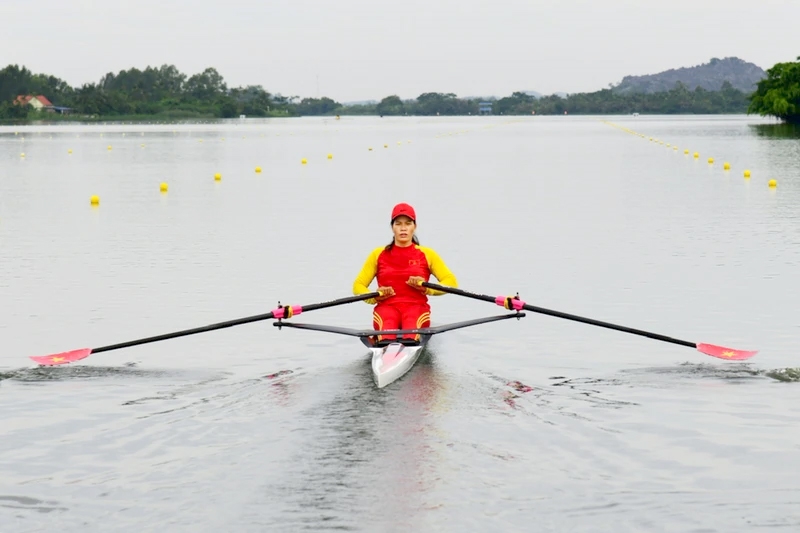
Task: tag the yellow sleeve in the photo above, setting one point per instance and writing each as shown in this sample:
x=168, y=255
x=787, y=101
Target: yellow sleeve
x=367, y=274
x=439, y=270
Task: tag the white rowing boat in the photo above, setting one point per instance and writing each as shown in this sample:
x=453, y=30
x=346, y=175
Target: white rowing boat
x=390, y=363
x=393, y=361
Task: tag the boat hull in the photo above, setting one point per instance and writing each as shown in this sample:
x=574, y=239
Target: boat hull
x=392, y=362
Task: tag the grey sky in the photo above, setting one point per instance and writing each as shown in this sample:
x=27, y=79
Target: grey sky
x=367, y=49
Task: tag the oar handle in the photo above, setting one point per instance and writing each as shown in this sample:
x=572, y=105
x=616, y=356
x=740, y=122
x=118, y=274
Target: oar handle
x=286, y=311
x=510, y=302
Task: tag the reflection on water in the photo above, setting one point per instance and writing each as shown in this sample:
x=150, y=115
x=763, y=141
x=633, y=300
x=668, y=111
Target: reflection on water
x=781, y=130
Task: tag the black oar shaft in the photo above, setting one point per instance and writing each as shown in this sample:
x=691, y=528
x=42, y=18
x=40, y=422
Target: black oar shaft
x=230, y=323
x=559, y=314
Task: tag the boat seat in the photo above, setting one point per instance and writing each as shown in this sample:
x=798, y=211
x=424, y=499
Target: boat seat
x=405, y=342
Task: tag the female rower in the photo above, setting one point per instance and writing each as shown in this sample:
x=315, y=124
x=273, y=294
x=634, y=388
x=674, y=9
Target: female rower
x=400, y=267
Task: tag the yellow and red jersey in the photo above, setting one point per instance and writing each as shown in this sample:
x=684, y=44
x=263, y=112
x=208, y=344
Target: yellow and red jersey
x=394, y=266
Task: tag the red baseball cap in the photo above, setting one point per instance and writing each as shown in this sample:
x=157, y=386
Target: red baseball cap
x=404, y=209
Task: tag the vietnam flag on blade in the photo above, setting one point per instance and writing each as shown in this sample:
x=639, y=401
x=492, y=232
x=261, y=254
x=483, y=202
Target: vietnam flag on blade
x=63, y=357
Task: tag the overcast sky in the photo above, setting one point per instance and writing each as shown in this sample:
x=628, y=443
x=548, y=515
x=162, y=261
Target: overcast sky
x=368, y=49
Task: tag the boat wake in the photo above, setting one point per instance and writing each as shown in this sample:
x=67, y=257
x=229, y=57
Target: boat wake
x=64, y=373
x=28, y=503
x=784, y=374
x=221, y=394
x=729, y=372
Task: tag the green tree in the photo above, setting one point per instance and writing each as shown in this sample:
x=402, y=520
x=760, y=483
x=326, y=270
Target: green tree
x=778, y=94
x=253, y=100
x=9, y=110
x=391, y=105
x=316, y=106
x=206, y=86
x=518, y=103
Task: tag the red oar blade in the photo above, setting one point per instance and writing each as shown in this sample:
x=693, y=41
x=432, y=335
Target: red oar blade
x=725, y=353
x=62, y=358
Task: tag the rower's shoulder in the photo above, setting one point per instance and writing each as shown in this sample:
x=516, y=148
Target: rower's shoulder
x=376, y=252
x=430, y=254
x=427, y=250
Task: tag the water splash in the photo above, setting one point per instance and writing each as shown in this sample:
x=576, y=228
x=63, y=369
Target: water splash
x=784, y=374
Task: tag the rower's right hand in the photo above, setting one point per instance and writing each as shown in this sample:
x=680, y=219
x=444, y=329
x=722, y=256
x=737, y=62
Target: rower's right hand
x=386, y=292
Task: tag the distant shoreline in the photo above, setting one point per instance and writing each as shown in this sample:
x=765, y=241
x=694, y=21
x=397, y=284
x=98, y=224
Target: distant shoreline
x=181, y=119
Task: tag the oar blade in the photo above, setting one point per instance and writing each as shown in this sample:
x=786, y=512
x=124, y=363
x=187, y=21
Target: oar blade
x=62, y=358
x=722, y=352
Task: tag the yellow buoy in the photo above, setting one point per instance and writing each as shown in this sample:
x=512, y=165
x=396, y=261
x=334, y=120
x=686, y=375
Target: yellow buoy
x=258, y=170
x=696, y=155
x=772, y=183
x=142, y=145
x=726, y=166
x=330, y=156
x=386, y=146
x=686, y=151
x=217, y=176
x=710, y=160
x=746, y=173
x=370, y=148
x=675, y=148
x=304, y=161
x=22, y=154
x=69, y=151
x=668, y=145
x=163, y=187
x=398, y=142
x=94, y=200
x=109, y=147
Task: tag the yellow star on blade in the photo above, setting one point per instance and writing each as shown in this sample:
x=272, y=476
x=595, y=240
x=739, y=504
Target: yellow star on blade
x=728, y=353
x=57, y=359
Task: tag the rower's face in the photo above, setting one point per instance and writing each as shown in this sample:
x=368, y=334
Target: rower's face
x=403, y=228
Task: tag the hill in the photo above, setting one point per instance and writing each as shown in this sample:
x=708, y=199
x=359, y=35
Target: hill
x=710, y=76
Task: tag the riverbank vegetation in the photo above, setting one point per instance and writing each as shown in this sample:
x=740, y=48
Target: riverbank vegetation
x=778, y=95
x=165, y=93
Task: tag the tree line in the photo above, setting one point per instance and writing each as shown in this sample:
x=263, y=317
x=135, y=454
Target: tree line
x=778, y=95
x=166, y=92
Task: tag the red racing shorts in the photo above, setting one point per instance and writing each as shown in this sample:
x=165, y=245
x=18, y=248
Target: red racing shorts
x=404, y=316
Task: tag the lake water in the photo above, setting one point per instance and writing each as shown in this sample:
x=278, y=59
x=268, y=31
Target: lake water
x=253, y=429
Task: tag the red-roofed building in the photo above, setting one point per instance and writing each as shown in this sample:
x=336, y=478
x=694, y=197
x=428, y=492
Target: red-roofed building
x=38, y=102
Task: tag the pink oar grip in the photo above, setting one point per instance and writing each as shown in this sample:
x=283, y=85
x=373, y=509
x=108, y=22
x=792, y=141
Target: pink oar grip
x=515, y=303
x=280, y=312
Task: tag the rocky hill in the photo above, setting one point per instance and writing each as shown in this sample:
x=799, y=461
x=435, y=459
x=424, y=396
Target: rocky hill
x=710, y=76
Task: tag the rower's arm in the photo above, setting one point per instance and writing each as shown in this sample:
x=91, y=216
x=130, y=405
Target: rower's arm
x=439, y=269
x=367, y=274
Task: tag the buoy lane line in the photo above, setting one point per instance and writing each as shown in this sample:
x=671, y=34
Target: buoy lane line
x=94, y=199
x=772, y=183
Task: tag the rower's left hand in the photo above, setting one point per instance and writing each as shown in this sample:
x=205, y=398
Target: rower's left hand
x=415, y=281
